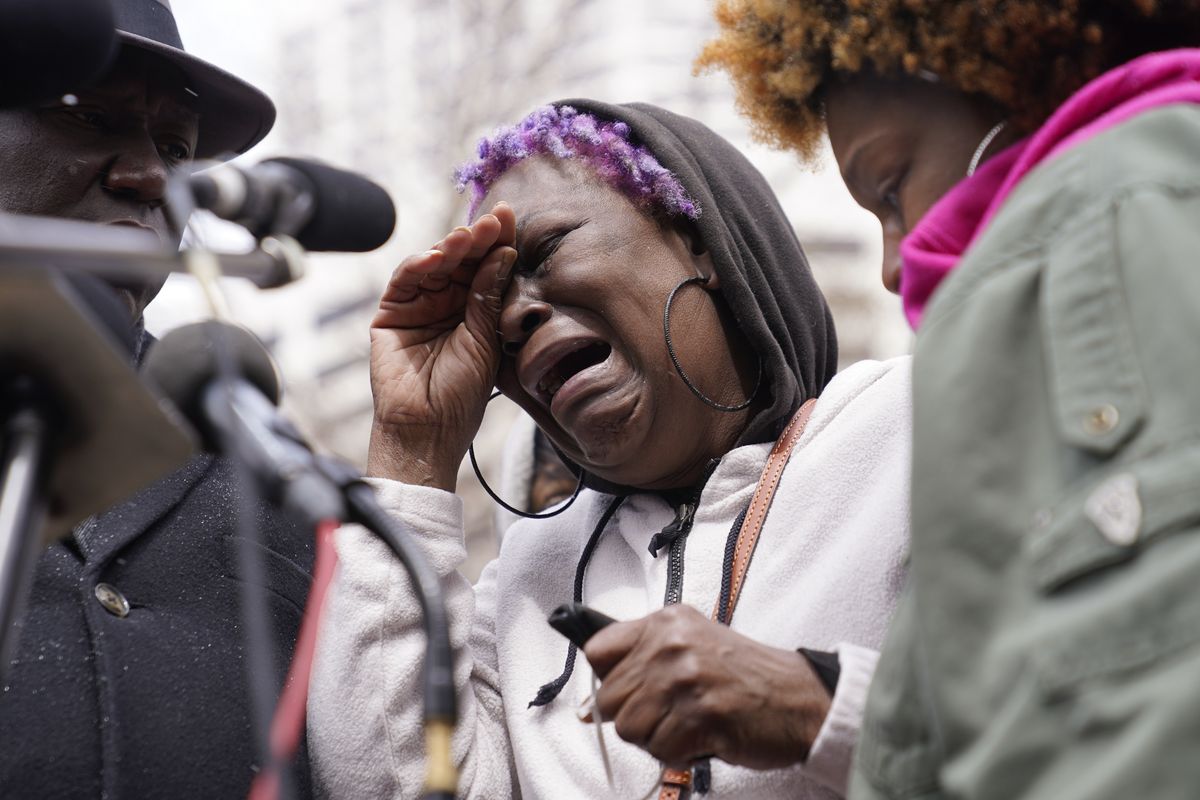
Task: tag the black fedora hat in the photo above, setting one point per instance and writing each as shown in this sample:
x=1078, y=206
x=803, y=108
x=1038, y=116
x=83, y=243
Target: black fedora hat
x=234, y=116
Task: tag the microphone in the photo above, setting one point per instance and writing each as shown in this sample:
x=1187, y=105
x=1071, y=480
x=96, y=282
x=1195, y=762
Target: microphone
x=78, y=430
x=70, y=342
x=222, y=379
x=51, y=47
x=322, y=207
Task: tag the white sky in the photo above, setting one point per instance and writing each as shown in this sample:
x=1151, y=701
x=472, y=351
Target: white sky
x=229, y=33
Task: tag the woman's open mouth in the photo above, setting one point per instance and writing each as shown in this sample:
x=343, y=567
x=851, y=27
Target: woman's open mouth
x=562, y=372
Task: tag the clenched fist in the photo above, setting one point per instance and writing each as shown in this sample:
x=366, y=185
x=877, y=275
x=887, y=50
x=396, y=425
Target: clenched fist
x=681, y=686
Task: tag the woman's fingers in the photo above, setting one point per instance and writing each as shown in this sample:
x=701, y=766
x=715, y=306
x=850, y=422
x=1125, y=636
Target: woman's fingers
x=612, y=643
x=407, y=277
x=484, y=233
x=507, y=218
x=487, y=295
x=636, y=722
x=614, y=695
x=454, y=259
x=679, y=738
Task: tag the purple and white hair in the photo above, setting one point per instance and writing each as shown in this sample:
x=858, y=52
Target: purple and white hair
x=603, y=146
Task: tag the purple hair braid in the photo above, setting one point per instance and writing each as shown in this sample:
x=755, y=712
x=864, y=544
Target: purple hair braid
x=564, y=133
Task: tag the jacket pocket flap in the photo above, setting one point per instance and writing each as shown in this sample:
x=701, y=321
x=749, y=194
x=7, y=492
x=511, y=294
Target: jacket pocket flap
x=1114, y=518
x=1132, y=626
x=1097, y=389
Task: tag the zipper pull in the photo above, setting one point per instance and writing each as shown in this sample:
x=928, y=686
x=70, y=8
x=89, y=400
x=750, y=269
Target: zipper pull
x=682, y=523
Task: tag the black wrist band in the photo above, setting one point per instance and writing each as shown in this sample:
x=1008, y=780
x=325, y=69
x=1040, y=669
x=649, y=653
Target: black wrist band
x=826, y=665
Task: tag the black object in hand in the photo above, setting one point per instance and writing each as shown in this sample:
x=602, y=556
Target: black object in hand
x=577, y=622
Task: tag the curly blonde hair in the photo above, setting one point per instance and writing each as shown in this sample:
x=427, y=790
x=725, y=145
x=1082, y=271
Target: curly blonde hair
x=1028, y=56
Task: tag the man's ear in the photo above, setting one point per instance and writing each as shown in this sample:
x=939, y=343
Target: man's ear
x=700, y=255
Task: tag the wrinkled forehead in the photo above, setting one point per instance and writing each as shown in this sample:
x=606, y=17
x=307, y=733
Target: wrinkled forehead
x=544, y=183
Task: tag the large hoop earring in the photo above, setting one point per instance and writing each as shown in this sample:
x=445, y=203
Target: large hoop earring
x=983, y=146
x=679, y=367
x=506, y=506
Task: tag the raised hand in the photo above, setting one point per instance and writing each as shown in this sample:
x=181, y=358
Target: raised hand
x=435, y=351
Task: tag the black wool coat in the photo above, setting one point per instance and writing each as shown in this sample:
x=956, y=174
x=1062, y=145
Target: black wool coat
x=154, y=704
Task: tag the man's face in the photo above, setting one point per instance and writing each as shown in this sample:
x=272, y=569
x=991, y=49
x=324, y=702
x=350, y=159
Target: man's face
x=105, y=158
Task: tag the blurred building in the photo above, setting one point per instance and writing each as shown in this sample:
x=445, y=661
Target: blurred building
x=402, y=89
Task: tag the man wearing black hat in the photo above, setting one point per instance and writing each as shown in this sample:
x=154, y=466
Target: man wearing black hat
x=130, y=676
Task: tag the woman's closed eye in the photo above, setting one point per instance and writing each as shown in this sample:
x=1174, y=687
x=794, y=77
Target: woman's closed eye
x=536, y=259
x=890, y=198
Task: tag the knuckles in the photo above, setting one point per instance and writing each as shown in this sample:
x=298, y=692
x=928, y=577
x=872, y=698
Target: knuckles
x=689, y=672
x=630, y=727
x=695, y=696
x=681, y=637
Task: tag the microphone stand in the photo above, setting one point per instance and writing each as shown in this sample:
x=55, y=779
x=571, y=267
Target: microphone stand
x=289, y=475
x=24, y=445
x=128, y=255
x=362, y=507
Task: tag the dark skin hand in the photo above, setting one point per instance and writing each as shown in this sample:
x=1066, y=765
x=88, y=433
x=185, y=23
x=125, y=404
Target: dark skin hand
x=434, y=351
x=681, y=686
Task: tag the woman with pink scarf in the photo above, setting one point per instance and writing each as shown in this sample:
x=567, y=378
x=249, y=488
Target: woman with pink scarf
x=1035, y=167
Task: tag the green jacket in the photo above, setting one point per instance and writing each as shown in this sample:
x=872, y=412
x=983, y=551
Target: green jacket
x=1048, y=645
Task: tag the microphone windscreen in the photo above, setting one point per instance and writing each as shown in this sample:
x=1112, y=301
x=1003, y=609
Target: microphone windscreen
x=191, y=358
x=352, y=213
x=51, y=47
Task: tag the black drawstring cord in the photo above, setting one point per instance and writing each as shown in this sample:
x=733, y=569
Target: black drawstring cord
x=551, y=690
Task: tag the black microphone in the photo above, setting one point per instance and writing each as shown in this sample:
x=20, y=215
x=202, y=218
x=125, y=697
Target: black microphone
x=70, y=341
x=222, y=379
x=322, y=207
x=51, y=47
x=78, y=430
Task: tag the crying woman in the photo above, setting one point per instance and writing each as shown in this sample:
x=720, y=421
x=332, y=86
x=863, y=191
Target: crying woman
x=629, y=279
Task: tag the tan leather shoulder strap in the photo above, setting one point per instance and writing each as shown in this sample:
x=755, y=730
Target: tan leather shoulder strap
x=676, y=783
x=760, y=504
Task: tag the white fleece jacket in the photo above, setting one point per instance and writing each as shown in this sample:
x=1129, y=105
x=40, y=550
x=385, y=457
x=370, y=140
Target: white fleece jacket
x=825, y=575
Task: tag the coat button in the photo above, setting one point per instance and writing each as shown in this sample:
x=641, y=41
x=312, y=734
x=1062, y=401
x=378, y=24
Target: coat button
x=113, y=601
x=1101, y=420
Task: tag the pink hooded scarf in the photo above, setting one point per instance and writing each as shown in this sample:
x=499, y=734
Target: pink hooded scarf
x=937, y=243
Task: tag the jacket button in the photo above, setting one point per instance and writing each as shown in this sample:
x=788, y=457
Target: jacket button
x=1101, y=420
x=113, y=601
